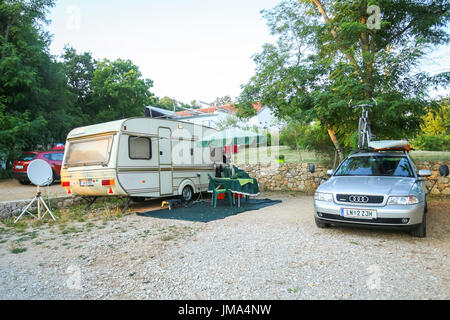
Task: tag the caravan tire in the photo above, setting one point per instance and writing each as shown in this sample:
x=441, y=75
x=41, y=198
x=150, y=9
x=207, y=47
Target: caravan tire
x=187, y=193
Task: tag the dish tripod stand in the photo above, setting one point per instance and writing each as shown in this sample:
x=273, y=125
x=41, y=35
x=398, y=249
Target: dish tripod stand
x=40, y=203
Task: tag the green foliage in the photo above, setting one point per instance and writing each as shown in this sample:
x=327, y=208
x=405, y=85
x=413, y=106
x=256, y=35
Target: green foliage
x=166, y=103
x=310, y=137
x=326, y=55
x=435, y=129
x=222, y=101
x=432, y=142
x=32, y=85
x=118, y=91
x=437, y=121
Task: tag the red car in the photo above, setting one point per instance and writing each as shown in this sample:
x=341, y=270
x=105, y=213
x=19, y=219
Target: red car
x=20, y=166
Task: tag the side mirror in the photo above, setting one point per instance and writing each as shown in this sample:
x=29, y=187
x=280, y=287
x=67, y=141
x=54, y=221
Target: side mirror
x=312, y=168
x=330, y=172
x=425, y=173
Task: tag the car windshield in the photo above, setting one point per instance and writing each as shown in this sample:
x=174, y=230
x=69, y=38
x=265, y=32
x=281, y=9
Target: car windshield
x=394, y=166
x=27, y=156
x=88, y=152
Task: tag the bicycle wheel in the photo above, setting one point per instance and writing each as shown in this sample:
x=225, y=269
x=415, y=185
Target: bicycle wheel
x=369, y=133
x=360, y=133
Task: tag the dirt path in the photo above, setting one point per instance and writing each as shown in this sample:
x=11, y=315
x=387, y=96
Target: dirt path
x=12, y=190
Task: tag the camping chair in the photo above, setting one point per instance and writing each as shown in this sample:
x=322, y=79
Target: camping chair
x=227, y=172
x=217, y=190
x=240, y=174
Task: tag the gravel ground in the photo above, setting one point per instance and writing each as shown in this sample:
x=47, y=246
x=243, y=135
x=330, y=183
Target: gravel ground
x=273, y=253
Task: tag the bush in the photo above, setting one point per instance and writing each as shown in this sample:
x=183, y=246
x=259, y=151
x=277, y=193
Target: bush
x=281, y=158
x=432, y=142
x=5, y=174
x=310, y=137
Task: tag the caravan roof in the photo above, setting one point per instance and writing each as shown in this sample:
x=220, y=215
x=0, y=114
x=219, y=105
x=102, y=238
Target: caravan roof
x=112, y=126
x=115, y=126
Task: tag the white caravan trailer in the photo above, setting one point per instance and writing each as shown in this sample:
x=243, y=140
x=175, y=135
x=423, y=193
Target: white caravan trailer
x=138, y=158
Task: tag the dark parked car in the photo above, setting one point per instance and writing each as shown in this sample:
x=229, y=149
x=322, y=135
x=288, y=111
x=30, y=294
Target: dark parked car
x=20, y=166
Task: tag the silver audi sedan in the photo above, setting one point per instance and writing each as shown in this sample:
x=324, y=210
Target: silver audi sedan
x=374, y=189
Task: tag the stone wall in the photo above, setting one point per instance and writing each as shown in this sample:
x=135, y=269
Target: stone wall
x=14, y=208
x=442, y=186
x=296, y=176
x=287, y=176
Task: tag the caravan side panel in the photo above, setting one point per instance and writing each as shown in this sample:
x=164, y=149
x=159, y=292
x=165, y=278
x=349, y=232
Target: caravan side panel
x=137, y=165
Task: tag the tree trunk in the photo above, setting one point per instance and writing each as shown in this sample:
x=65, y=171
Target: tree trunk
x=335, y=142
x=8, y=26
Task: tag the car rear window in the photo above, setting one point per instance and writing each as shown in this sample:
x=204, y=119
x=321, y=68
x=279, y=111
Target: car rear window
x=54, y=156
x=27, y=156
x=375, y=166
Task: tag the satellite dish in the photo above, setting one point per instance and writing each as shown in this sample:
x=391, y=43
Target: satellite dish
x=40, y=173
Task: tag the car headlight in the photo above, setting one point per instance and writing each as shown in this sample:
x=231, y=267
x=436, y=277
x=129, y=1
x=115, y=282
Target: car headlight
x=403, y=200
x=322, y=196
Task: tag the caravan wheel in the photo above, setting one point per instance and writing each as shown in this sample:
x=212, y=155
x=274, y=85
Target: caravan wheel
x=187, y=193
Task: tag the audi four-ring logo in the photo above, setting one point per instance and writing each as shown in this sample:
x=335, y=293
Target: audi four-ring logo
x=359, y=199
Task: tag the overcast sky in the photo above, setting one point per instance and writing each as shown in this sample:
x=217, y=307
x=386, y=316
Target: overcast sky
x=191, y=49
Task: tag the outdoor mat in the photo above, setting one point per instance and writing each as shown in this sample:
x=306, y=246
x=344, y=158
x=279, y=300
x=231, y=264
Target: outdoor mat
x=204, y=212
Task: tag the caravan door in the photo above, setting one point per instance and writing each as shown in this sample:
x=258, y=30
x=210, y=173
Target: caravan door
x=165, y=161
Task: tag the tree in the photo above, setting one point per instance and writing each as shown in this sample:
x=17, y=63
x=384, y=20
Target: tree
x=166, y=103
x=327, y=54
x=222, y=101
x=437, y=120
x=79, y=72
x=118, y=91
x=32, y=85
x=435, y=135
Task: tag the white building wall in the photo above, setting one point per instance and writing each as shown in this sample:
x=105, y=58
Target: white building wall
x=264, y=120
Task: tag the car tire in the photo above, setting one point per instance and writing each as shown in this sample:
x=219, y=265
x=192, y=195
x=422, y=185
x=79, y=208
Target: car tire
x=187, y=193
x=421, y=230
x=322, y=225
x=24, y=182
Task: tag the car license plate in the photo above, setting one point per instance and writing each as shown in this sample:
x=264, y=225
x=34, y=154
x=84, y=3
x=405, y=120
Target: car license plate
x=19, y=167
x=359, y=213
x=86, y=183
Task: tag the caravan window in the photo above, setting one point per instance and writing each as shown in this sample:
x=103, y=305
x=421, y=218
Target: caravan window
x=140, y=148
x=89, y=152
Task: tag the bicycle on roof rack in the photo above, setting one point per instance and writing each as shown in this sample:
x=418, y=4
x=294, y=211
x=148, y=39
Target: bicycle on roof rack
x=364, y=132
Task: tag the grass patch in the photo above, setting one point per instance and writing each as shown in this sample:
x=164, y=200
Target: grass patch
x=19, y=227
x=71, y=229
x=270, y=155
x=168, y=238
x=430, y=155
x=18, y=250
